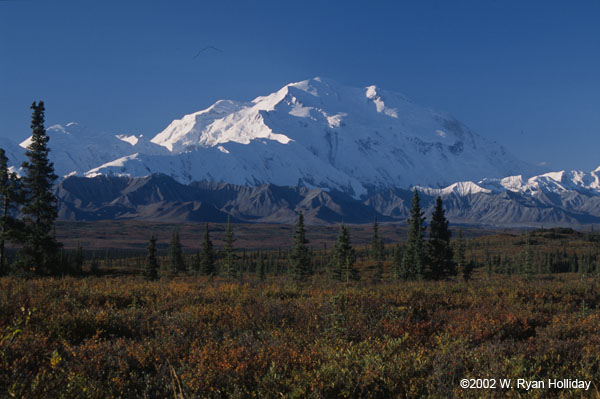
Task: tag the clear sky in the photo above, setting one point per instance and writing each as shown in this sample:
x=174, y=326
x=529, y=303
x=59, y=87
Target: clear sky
x=523, y=73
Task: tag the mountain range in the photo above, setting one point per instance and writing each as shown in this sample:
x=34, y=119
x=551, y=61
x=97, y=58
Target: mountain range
x=337, y=152
x=540, y=201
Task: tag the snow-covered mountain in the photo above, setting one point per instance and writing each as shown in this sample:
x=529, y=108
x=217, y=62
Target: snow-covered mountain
x=318, y=133
x=551, y=183
x=14, y=153
x=75, y=149
x=336, y=152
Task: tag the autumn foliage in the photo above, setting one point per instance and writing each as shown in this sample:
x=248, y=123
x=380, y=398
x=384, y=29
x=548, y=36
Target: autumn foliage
x=210, y=338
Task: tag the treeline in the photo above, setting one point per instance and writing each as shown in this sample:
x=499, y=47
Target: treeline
x=434, y=257
x=530, y=261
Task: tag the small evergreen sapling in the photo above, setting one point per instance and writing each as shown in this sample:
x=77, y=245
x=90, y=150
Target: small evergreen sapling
x=377, y=253
x=176, y=262
x=207, y=256
x=260, y=267
x=344, y=256
x=466, y=268
x=397, y=264
x=151, y=267
x=229, y=257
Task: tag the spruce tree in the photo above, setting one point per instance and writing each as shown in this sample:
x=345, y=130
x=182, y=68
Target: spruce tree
x=397, y=263
x=151, y=267
x=300, y=256
x=378, y=275
x=229, y=257
x=467, y=270
x=377, y=253
x=197, y=262
x=376, y=248
x=459, y=254
x=440, y=252
x=94, y=265
x=527, y=265
x=344, y=256
x=350, y=270
x=176, y=262
x=260, y=267
x=207, y=256
x=335, y=267
x=413, y=261
x=10, y=197
x=78, y=261
x=40, y=249
x=488, y=262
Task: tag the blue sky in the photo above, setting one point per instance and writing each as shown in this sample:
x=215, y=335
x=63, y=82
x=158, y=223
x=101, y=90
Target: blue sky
x=523, y=73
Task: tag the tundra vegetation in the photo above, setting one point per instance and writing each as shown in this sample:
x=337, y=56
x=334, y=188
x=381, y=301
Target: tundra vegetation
x=529, y=309
x=205, y=337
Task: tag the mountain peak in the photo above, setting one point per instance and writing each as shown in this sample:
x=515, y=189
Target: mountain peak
x=320, y=133
x=314, y=133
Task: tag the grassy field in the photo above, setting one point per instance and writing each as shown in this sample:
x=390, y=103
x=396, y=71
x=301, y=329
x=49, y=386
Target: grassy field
x=193, y=337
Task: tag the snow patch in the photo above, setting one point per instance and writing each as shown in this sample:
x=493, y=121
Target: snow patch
x=133, y=140
x=379, y=104
x=301, y=111
x=556, y=176
x=117, y=163
x=336, y=120
x=459, y=188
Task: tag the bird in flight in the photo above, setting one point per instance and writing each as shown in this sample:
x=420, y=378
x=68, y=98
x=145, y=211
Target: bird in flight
x=207, y=48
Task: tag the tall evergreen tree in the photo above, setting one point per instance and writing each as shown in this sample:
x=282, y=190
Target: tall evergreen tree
x=10, y=197
x=344, y=256
x=151, y=266
x=440, y=256
x=300, y=261
x=207, y=256
x=413, y=261
x=40, y=249
x=229, y=257
x=176, y=262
